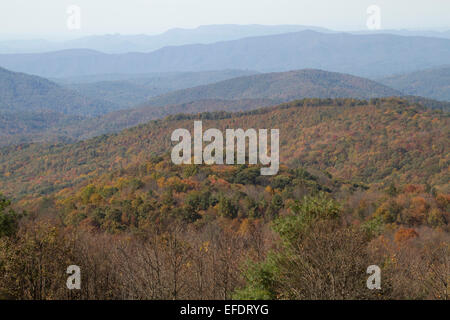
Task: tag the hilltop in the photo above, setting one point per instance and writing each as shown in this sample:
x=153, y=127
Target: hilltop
x=282, y=86
x=21, y=92
x=387, y=140
x=431, y=83
x=127, y=91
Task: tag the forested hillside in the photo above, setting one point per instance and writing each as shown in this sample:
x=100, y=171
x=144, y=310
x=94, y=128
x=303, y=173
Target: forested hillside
x=351, y=139
x=283, y=86
x=44, y=126
x=131, y=90
x=51, y=127
x=21, y=92
x=118, y=120
x=431, y=83
x=33, y=109
x=360, y=183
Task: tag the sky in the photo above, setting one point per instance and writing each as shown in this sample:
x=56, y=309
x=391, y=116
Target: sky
x=48, y=18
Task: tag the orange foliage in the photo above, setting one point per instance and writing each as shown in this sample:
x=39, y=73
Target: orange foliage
x=405, y=234
x=411, y=188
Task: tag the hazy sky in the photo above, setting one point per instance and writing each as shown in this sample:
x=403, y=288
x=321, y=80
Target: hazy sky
x=29, y=18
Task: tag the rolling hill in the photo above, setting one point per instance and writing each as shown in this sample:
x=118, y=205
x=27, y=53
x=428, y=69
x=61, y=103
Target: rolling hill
x=358, y=183
x=51, y=127
x=431, y=83
x=37, y=126
x=237, y=94
x=283, y=86
x=352, y=140
x=131, y=90
x=21, y=92
x=373, y=56
x=122, y=119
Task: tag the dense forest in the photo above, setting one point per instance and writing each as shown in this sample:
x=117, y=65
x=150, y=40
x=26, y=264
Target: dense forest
x=33, y=109
x=20, y=92
x=128, y=91
x=284, y=86
x=432, y=83
x=360, y=183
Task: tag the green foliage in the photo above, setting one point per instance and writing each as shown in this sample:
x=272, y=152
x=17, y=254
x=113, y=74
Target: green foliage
x=389, y=212
x=313, y=239
x=247, y=175
x=281, y=182
x=305, y=213
x=260, y=278
x=8, y=218
x=392, y=190
x=227, y=207
x=374, y=226
x=197, y=200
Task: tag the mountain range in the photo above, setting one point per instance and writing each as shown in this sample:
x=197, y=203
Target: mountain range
x=21, y=92
x=130, y=90
x=47, y=112
x=375, y=55
x=123, y=43
x=281, y=86
x=118, y=43
x=431, y=83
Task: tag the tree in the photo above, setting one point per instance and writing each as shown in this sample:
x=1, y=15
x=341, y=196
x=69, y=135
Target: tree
x=227, y=208
x=8, y=218
x=320, y=257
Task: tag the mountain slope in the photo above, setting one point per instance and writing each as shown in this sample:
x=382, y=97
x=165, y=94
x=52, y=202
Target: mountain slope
x=26, y=126
x=431, y=83
x=122, y=119
x=237, y=94
x=50, y=127
x=136, y=90
x=364, y=55
x=283, y=86
x=21, y=92
x=355, y=141
x=251, y=93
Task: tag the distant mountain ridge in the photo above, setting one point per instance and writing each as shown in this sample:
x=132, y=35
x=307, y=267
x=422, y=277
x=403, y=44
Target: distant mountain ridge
x=431, y=83
x=281, y=86
x=237, y=94
x=383, y=54
x=21, y=92
x=131, y=91
x=206, y=34
x=117, y=43
x=408, y=33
